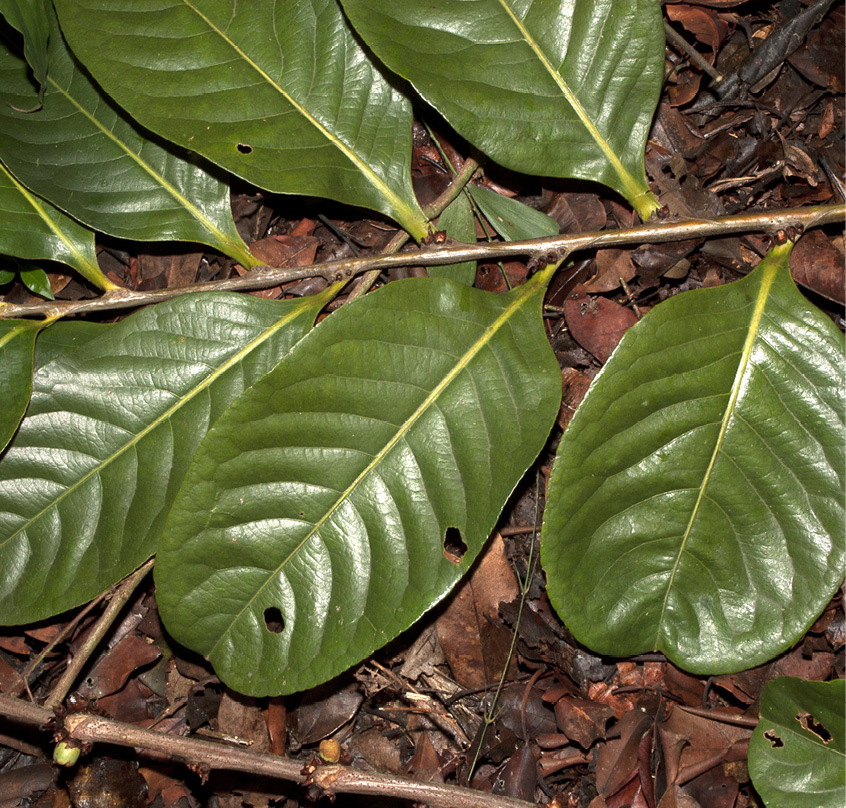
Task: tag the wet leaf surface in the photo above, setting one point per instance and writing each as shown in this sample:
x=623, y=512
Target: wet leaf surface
x=402, y=708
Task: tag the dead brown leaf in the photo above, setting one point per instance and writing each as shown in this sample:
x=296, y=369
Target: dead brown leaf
x=596, y=323
x=817, y=263
x=113, y=670
x=471, y=635
x=611, y=266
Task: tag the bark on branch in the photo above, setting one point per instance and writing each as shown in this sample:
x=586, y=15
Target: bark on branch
x=332, y=779
x=653, y=232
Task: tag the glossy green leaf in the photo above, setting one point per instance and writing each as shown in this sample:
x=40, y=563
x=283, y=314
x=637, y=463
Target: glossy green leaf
x=278, y=92
x=111, y=428
x=696, y=502
x=459, y=223
x=797, y=754
x=32, y=277
x=17, y=342
x=35, y=279
x=30, y=18
x=511, y=218
x=65, y=335
x=563, y=88
x=30, y=227
x=311, y=527
x=91, y=161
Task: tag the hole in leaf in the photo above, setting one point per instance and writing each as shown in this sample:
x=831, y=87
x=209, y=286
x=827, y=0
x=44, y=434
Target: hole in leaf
x=454, y=546
x=774, y=740
x=244, y=148
x=808, y=722
x=273, y=620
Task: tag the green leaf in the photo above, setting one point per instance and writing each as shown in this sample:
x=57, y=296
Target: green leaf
x=65, y=335
x=459, y=223
x=278, y=92
x=36, y=280
x=88, y=159
x=30, y=17
x=510, y=218
x=563, y=89
x=696, y=501
x=319, y=504
x=111, y=428
x=30, y=227
x=797, y=754
x=17, y=341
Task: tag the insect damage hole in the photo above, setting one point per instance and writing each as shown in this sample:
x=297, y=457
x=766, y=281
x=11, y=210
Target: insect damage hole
x=273, y=620
x=809, y=723
x=774, y=739
x=244, y=148
x=454, y=546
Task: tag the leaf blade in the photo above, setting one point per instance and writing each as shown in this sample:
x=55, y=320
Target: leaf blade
x=459, y=223
x=512, y=219
x=796, y=754
x=339, y=532
x=33, y=228
x=112, y=425
x=17, y=347
x=680, y=516
x=30, y=18
x=65, y=335
x=329, y=125
x=88, y=159
x=557, y=89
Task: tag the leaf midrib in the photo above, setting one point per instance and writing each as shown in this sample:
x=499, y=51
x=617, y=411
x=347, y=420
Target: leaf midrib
x=535, y=285
x=21, y=327
x=743, y=365
x=222, y=240
x=628, y=181
x=397, y=203
x=216, y=374
x=41, y=212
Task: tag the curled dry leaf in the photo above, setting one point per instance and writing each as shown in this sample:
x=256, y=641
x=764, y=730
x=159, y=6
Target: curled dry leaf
x=817, y=264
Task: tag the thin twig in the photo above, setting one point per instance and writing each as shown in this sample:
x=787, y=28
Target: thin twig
x=23, y=679
x=525, y=585
x=653, y=232
x=334, y=779
x=341, y=234
x=478, y=216
x=80, y=660
x=432, y=210
x=725, y=718
x=835, y=180
x=685, y=47
x=630, y=298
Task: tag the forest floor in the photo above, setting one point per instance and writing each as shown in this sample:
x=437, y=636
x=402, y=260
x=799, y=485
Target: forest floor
x=482, y=692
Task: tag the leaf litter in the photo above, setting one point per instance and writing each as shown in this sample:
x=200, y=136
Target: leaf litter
x=568, y=725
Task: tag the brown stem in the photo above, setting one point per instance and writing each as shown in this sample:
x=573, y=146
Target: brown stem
x=431, y=210
x=344, y=779
x=80, y=659
x=682, y=44
x=23, y=678
x=651, y=232
x=334, y=779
